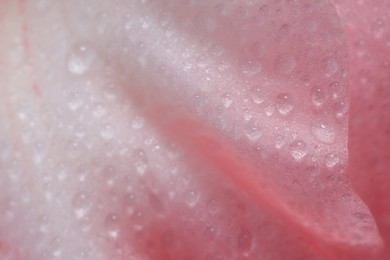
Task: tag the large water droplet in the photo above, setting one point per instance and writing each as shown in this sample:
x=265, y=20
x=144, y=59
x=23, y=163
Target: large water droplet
x=244, y=241
x=323, y=132
x=331, y=160
x=140, y=161
x=257, y=94
x=318, y=96
x=80, y=59
x=284, y=103
x=298, y=150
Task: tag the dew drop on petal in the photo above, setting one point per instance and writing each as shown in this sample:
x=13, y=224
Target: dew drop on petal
x=318, y=96
x=284, y=103
x=324, y=132
x=253, y=133
x=330, y=66
x=257, y=94
x=111, y=224
x=80, y=204
x=140, y=161
x=80, y=59
x=192, y=198
x=227, y=100
x=331, y=160
x=298, y=149
x=244, y=241
x=251, y=68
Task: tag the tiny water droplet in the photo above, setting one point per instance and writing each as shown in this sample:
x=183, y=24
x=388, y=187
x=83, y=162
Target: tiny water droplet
x=257, y=94
x=80, y=59
x=107, y=132
x=111, y=224
x=323, y=132
x=318, y=96
x=99, y=111
x=244, y=241
x=251, y=68
x=298, y=149
x=81, y=204
x=137, y=123
x=331, y=160
x=285, y=64
x=284, y=103
x=140, y=161
x=227, y=100
x=75, y=102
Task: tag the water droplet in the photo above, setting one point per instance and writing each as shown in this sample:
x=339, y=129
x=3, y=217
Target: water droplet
x=341, y=108
x=337, y=90
x=331, y=160
x=247, y=115
x=285, y=64
x=284, y=103
x=140, y=161
x=75, y=102
x=330, y=66
x=318, y=96
x=137, y=123
x=252, y=132
x=323, y=132
x=80, y=59
x=251, y=68
x=213, y=206
x=81, y=204
x=227, y=100
x=280, y=141
x=192, y=198
x=111, y=224
x=99, y=111
x=257, y=95
x=244, y=241
x=298, y=149
x=269, y=110
x=107, y=132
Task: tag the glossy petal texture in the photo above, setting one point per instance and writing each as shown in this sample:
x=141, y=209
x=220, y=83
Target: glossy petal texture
x=177, y=130
x=367, y=25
